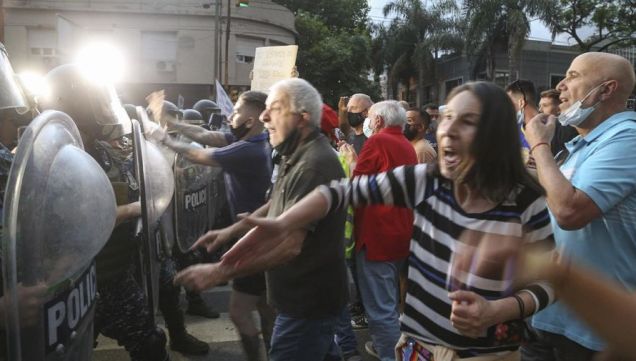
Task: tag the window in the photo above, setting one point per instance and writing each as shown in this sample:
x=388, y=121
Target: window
x=502, y=78
x=450, y=84
x=42, y=42
x=555, y=79
x=244, y=59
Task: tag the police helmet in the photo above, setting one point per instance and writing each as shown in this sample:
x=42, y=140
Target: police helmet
x=192, y=116
x=94, y=107
x=13, y=103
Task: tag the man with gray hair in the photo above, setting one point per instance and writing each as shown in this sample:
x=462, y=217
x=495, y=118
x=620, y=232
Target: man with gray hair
x=306, y=276
x=351, y=114
x=383, y=233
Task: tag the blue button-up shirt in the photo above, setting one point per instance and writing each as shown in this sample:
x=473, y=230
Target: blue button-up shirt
x=602, y=165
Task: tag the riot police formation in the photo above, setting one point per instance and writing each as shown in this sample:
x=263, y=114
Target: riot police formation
x=58, y=211
x=192, y=211
x=244, y=156
x=122, y=311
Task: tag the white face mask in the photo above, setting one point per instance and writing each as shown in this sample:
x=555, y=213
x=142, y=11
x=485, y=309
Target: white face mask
x=366, y=128
x=575, y=115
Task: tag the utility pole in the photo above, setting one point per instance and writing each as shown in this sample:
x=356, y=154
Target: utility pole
x=227, y=45
x=217, y=37
x=216, y=71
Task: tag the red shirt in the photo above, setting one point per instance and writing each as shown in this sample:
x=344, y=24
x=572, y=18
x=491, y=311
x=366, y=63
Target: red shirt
x=385, y=231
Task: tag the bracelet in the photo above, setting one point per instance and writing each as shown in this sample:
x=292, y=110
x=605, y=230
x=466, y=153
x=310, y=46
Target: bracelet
x=522, y=310
x=536, y=145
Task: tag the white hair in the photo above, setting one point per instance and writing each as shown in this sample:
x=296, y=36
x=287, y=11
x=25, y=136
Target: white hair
x=391, y=111
x=302, y=97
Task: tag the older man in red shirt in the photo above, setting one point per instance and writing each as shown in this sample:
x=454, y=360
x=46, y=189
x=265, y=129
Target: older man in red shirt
x=383, y=233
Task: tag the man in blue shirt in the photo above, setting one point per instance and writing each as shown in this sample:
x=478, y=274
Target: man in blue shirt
x=245, y=157
x=592, y=196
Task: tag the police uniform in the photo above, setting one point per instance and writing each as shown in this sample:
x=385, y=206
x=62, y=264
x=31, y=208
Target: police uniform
x=122, y=312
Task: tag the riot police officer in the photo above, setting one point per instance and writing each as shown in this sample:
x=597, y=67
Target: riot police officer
x=122, y=312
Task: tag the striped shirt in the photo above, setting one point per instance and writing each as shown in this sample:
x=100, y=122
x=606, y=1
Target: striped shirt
x=440, y=227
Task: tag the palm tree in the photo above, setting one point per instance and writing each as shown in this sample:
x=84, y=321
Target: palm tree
x=493, y=25
x=415, y=39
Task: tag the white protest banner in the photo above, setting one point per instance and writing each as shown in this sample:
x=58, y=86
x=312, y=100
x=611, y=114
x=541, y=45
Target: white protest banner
x=223, y=101
x=271, y=64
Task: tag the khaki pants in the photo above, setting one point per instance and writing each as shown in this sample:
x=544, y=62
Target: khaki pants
x=442, y=353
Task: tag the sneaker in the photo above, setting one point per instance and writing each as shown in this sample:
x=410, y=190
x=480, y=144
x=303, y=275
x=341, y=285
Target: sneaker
x=188, y=344
x=201, y=309
x=359, y=322
x=368, y=346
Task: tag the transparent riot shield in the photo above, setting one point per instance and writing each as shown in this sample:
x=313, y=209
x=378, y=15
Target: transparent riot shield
x=193, y=195
x=59, y=212
x=156, y=186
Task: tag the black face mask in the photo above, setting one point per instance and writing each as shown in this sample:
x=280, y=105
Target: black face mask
x=410, y=132
x=355, y=119
x=240, y=131
x=287, y=146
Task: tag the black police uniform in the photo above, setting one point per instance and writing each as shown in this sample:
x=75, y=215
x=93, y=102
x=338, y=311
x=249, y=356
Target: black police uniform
x=122, y=312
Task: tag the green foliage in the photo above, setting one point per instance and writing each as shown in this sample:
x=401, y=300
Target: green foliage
x=413, y=41
x=613, y=22
x=334, y=46
x=499, y=24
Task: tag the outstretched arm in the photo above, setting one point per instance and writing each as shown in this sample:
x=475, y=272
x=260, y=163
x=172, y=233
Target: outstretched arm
x=200, y=135
x=194, y=154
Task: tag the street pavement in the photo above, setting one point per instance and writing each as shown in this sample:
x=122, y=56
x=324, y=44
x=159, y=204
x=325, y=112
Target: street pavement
x=220, y=334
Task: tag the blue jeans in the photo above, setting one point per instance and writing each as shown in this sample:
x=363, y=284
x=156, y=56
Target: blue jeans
x=345, y=338
x=379, y=291
x=296, y=339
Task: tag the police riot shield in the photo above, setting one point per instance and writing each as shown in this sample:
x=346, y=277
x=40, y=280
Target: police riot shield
x=193, y=190
x=59, y=211
x=156, y=187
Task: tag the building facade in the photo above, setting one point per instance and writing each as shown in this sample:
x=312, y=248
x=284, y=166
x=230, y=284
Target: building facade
x=541, y=62
x=167, y=44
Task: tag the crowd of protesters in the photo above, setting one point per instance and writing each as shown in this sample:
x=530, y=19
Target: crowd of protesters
x=513, y=227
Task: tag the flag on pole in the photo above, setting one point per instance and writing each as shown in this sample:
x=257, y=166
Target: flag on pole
x=223, y=100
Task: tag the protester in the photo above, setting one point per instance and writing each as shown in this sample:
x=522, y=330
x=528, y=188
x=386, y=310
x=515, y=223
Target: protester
x=592, y=196
x=351, y=114
x=549, y=104
x=247, y=166
x=307, y=286
x=382, y=233
x=433, y=111
x=479, y=178
x=417, y=122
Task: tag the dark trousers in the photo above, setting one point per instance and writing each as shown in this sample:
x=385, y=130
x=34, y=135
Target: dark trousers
x=296, y=339
x=554, y=347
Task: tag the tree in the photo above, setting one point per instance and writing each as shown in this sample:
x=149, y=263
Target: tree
x=613, y=22
x=493, y=25
x=414, y=40
x=334, y=46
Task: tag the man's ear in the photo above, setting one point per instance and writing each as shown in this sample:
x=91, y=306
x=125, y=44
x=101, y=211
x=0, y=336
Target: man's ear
x=305, y=118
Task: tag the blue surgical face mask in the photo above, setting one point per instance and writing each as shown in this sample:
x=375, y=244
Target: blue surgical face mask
x=520, y=117
x=575, y=115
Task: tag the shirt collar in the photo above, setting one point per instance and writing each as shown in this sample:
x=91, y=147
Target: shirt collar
x=302, y=147
x=604, y=126
x=394, y=129
x=607, y=124
x=257, y=138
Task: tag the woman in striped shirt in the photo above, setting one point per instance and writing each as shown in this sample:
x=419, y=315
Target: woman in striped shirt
x=477, y=197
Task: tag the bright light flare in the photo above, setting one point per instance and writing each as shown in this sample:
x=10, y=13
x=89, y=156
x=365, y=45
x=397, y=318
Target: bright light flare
x=34, y=84
x=101, y=62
